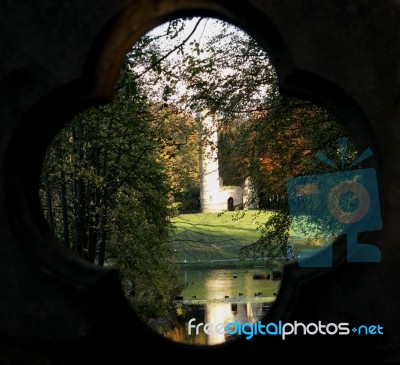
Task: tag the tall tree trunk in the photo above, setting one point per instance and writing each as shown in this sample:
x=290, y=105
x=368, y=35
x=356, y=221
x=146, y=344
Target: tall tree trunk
x=103, y=231
x=94, y=202
x=79, y=201
x=79, y=219
x=103, y=201
x=64, y=210
x=93, y=231
x=48, y=198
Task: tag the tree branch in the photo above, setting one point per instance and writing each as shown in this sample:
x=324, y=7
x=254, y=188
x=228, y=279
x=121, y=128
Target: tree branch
x=163, y=57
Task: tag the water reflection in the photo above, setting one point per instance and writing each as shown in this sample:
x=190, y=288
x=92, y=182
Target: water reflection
x=230, y=312
x=221, y=296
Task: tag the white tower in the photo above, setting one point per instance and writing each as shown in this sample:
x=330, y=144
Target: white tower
x=210, y=181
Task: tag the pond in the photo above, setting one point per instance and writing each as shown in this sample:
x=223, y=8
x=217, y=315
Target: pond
x=222, y=296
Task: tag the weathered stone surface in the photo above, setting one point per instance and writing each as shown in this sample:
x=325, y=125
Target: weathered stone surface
x=61, y=56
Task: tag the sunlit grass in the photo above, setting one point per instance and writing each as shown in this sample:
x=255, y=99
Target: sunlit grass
x=208, y=237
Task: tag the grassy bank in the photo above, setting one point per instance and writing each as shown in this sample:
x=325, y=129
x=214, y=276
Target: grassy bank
x=206, y=237
x=240, y=264
x=213, y=240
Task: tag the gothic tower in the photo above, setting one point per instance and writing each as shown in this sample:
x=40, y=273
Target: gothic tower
x=210, y=181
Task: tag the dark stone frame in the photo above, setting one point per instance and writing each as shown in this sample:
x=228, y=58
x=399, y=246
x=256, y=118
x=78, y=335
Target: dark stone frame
x=48, y=295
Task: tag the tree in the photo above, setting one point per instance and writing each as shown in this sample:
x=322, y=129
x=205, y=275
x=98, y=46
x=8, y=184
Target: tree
x=106, y=193
x=261, y=134
x=111, y=179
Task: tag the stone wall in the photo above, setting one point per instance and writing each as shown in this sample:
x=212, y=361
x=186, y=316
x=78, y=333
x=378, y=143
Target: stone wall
x=234, y=192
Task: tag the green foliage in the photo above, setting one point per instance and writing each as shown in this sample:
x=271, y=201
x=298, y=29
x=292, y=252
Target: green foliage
x=105, y=192
x=139, y=248
x=262, y=134
x=113, y=175
x=188, y=199
x=281, y=145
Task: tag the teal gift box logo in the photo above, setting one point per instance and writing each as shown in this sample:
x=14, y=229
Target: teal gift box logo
x=338, y=203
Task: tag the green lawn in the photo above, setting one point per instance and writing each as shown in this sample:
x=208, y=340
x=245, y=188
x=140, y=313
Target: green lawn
x=206, y=237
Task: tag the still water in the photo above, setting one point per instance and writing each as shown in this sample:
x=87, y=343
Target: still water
x=222, y=296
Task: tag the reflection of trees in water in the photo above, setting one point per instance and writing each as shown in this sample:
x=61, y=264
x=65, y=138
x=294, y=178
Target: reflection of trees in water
x=180, y=334
x=215, y=313
x=239, y=285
